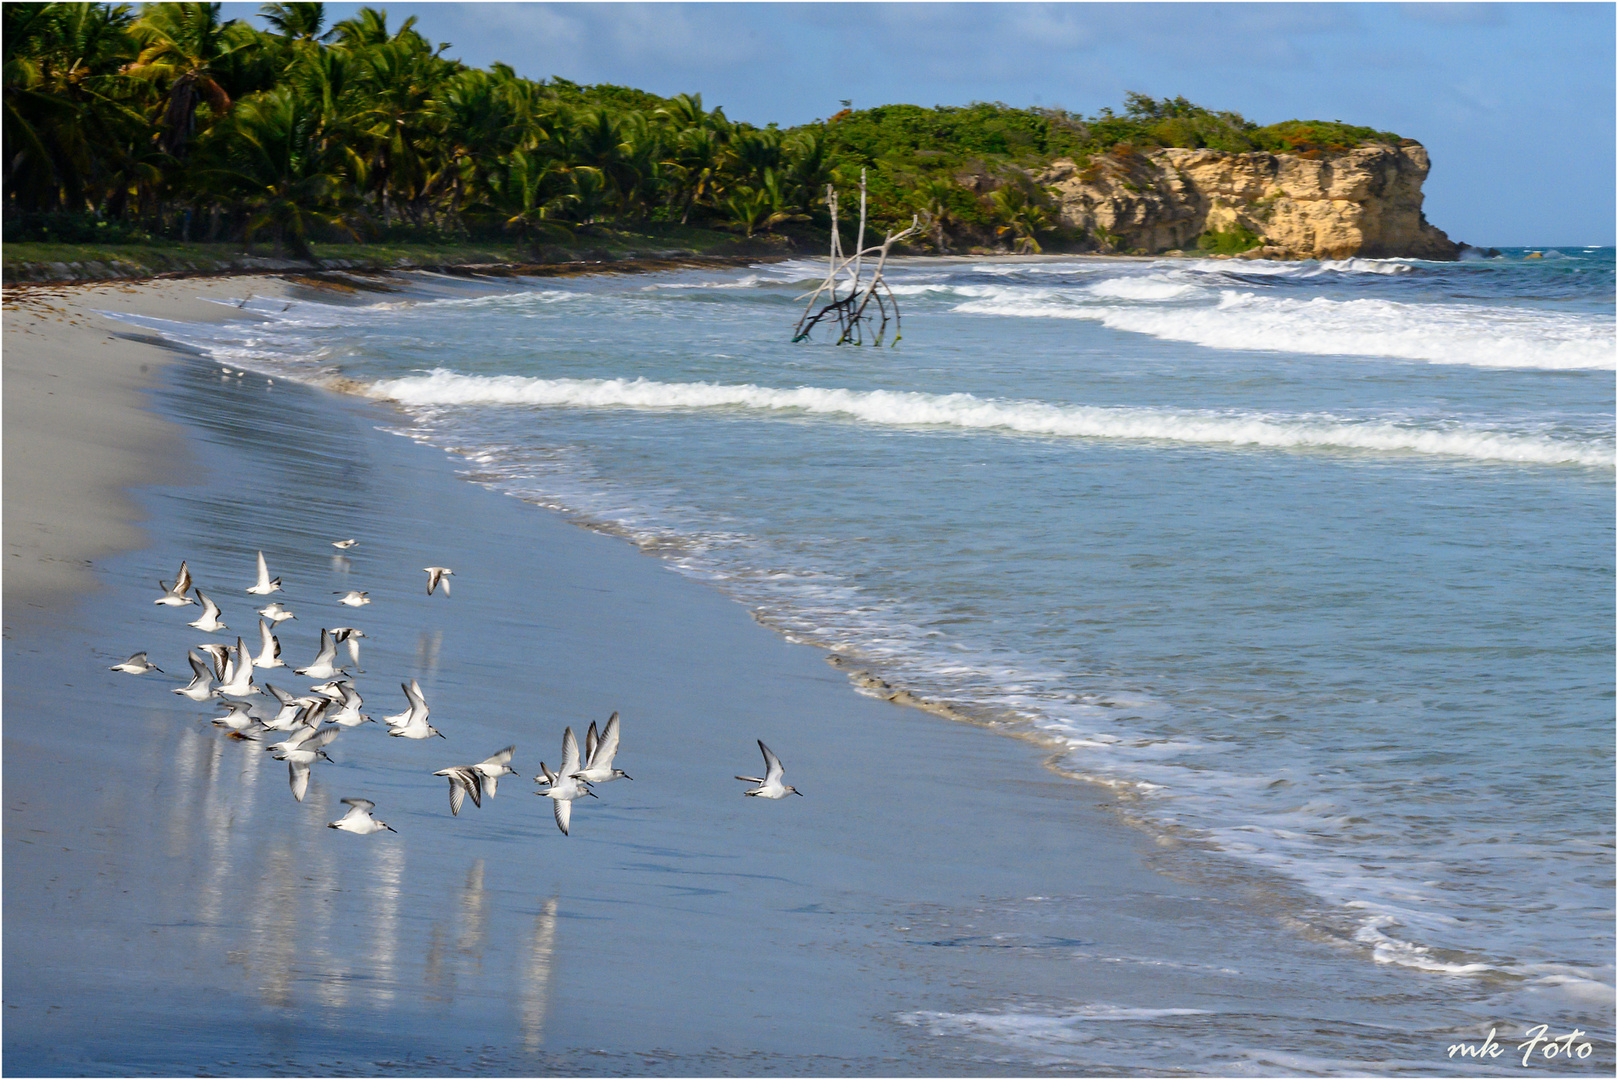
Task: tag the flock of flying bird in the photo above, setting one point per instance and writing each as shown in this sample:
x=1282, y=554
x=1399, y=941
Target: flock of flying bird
x=312, y=720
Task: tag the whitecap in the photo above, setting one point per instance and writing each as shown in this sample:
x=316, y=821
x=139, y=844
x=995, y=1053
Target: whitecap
x=899, y=408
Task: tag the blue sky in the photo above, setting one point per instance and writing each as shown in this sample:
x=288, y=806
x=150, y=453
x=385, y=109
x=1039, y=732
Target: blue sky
x=1515, y=102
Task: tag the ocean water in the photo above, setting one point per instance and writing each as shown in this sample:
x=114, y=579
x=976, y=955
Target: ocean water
x=1310, y=564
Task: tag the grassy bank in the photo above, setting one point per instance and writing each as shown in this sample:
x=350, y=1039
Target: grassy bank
x=41, y=261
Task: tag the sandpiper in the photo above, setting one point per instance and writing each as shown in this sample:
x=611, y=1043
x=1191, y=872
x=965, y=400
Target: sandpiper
x=270, y=649
x=464, y=780
x=599, y=752
x=264, y=586
x=208, y=622
x=323, y=666
x=276, y=613
x=436, y=575
x=135, y=665
x=359, y=819
x=174, y=595
x=351, y=636
x=493, y=767
x=200, y=687
x=564, y=785
x=238, y=680
x=354, y=598
x=770, y=787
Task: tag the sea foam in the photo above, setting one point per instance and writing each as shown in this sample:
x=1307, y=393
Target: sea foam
x=1435, y=333
x=898, y=408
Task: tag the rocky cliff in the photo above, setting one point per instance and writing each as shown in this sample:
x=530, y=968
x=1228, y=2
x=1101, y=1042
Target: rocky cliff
x=1364, y=202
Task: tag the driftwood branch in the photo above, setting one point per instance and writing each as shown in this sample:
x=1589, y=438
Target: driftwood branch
x=850, y=312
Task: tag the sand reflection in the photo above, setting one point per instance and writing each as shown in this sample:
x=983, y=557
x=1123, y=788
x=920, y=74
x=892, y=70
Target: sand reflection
x=385, y=899
x=534, y=991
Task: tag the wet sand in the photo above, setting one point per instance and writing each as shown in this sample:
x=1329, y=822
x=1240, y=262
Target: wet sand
x=933, y=899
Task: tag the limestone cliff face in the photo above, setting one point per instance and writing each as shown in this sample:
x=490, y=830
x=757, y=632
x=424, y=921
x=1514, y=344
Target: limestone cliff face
x=1364, y=202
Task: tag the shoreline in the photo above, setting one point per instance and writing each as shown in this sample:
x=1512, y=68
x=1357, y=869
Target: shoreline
x=271, y=918
x=1128, y=920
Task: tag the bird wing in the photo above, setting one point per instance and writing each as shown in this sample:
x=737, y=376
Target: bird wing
x=364, y=805
x=418, y=700
x=182, y=580
x=570, y=753
x=591, y=739
x=772, y=764
x=500, y=757
x=322, y=737
x=607, y=748
x=563, y=808
x=263, y=573
x=298, y=777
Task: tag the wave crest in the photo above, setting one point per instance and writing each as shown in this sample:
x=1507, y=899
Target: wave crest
x=903, y=408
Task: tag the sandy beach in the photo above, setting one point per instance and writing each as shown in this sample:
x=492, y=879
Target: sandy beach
x=171, y=908
x=79, y=427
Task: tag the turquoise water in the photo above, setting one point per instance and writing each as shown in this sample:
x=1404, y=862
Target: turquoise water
x=1312, y=564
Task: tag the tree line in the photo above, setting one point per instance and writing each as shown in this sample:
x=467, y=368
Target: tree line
x=172, y=121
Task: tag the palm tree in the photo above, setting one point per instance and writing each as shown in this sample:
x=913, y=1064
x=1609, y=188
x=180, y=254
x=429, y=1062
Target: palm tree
x=297, y=20
x=186, y=46
x=277, y=160
x=931, y=198
x=1020, y=217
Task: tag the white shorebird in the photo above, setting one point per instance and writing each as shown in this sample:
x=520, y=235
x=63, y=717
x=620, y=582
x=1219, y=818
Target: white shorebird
x=135, y=665
x=276, y=613
x=307, y=741
x=349, y=715
x=323, y=666
x=238, y=721
x=174, y=595
x=415, y=703
x=300, y=757
x=464, y=780
x=564, y=785
x=412, y=723
x=770, y=787
x=599, y=752
x=291, y=711
x=344, y=545
x=354, y=598
x=351, y=636
x=264, y=586
x=238, y=680
x=270, y=649
x=200, y=687
x=437, y=575
x=359, y=819
x=416, y=727
x=493, y=767
x=208, y=622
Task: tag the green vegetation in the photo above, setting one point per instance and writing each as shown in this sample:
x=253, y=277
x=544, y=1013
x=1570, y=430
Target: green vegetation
x=172, y=126
x=1237, y=238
